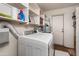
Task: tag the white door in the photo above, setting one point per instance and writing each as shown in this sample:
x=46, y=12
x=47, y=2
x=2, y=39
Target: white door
x=68, y=30
x=58, y=29
x=77, y=31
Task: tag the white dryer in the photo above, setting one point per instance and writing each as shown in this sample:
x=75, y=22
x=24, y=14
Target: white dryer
x=37, y=44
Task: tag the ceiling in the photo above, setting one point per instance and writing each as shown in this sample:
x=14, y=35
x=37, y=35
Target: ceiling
x=52, y=6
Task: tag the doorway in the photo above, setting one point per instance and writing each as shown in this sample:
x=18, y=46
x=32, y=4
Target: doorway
x=58, y=29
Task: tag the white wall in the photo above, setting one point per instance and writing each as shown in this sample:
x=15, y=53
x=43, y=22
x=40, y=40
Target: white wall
x=68, y=22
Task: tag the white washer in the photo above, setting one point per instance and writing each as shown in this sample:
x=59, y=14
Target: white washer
x=37, y=44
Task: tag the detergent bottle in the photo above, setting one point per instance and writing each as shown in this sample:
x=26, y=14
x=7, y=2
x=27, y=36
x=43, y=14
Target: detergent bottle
x=21, y=16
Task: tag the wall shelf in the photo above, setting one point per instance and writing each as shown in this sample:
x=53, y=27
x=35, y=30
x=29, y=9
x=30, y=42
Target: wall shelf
x=32, y=13
x=9, y=20
x=15, y=10
x=34, y=9
x=17, y=5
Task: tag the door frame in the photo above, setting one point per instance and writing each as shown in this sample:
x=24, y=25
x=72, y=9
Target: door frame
x=63, y=24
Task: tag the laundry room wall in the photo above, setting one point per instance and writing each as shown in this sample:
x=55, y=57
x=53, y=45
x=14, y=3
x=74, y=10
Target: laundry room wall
x=68, y=22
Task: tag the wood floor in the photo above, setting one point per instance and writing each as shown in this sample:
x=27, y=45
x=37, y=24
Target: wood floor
x=66, y=49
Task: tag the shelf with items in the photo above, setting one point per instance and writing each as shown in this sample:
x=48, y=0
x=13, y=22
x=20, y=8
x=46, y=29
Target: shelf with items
x=34, y=13
x=16, y=11
x=34, y=9
x=42, y=19
x=34, y=20
x=8, y=11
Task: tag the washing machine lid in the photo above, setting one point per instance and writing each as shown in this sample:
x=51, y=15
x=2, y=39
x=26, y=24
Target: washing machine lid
x=43, y=37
